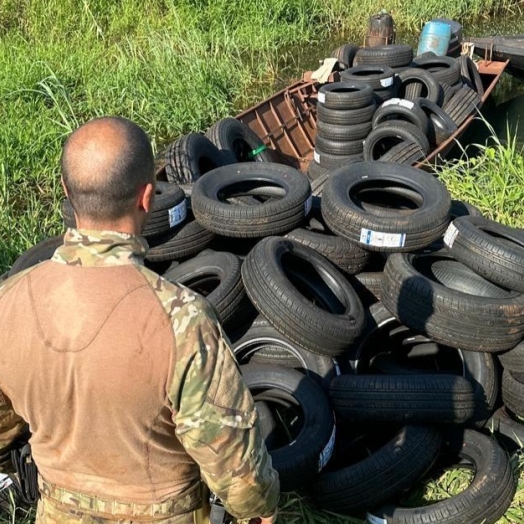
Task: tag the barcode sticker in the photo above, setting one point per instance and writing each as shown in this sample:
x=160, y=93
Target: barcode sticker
x=316, y=157
x=406, y=103
x=326, y=453
x=322, y=98
x=5, y=481
x=375, y=520
x=450, y=235
x=399, y=102
x=307, y=205
x=380, y=239
x=177, y=214
x=386, y=82
x=391, y=101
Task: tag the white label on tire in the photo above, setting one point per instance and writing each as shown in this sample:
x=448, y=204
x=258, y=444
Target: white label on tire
x=322, y=98
x=391, y=102
x=307, y=205
x=177, y=214
x=5, y=481
x=407, y=103
x=375, y=520
x=337, y=367
x=386, y=82
x=316, y=157
x=450, y=235
x=379, y=239
x=326, y=453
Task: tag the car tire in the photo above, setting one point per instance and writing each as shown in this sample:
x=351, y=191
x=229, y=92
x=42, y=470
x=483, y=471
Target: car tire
x=272, y=271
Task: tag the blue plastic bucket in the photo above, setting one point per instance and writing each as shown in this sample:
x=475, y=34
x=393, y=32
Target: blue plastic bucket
x=435, y=37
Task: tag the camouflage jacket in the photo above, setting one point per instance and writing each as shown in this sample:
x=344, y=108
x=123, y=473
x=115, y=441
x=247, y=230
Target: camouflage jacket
x=212, y=410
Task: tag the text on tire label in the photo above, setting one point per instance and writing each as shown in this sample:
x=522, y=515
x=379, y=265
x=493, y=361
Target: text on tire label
x=307, y=205
x=408, y=104
x=386, y=82
x=326, y=453
x=380, y=239
x=177, y=214
x=391, y=102
x=450, y=235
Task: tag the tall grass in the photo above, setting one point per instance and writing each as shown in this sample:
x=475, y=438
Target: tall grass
x=492, y=180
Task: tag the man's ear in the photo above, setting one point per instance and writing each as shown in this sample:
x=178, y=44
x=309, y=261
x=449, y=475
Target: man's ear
x=145, y=197
x=64, y=186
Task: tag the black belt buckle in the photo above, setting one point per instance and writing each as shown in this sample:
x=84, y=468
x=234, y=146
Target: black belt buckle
x=217, y=513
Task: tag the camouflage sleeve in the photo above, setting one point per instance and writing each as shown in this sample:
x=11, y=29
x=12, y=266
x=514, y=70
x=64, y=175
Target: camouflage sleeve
x=215, y=417
x=11, y=426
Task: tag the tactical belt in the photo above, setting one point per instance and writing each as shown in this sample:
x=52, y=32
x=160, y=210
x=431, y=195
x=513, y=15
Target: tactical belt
x=169, y=508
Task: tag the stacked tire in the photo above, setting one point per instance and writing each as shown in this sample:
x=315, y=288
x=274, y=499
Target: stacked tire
x=496, y=252
x=421, y=103
x=396, y=56
x=345, y=55
x=399, y=133
x=412, y=333
x=344, y=114
x=380, y=78
x=460, y=84
x=228, y=141
x=190, y=156
x=168, y=213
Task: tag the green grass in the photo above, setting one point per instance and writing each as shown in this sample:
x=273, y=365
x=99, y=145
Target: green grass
x=493, y=180
x=296, y=509
x=171, y=65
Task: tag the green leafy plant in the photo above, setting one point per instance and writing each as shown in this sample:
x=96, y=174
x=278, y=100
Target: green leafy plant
x=492, y=179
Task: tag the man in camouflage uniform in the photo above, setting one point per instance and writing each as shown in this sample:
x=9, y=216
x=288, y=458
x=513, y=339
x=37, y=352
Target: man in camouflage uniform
x=128, y=384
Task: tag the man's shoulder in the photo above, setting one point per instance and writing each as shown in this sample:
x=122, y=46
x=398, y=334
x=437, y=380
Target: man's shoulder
x=13, y=281
x=178, y=300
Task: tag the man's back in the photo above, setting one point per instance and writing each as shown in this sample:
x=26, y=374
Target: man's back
x=91, y=349
x=129, y=387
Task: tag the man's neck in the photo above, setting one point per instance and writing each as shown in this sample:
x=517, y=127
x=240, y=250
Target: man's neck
x=126, y=225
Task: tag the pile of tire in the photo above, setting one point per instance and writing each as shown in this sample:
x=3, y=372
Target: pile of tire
x=422, y=100
x=370, y=324
x=228, y=141
x=344, y=114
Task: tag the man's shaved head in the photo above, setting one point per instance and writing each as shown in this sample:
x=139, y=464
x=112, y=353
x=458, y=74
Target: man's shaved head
x=105, y=162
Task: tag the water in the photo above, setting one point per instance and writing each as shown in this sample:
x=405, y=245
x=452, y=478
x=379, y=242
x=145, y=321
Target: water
x=502, y=110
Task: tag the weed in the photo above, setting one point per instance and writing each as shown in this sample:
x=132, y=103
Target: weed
x=492, y=180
